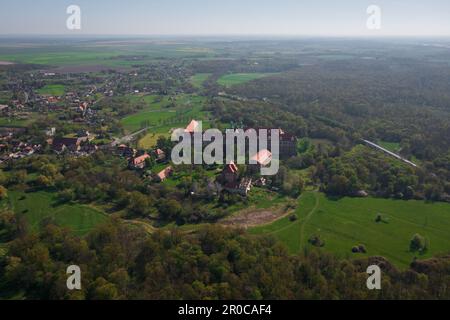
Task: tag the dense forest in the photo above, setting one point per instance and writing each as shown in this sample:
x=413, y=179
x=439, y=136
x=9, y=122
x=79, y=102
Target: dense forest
x=123, y=262
x=339, y=103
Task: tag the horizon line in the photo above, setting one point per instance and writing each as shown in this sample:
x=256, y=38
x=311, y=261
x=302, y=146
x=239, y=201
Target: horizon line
x=225, y=35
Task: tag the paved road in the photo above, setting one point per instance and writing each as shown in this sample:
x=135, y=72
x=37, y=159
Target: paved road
x=128, y=138
x=389, y=153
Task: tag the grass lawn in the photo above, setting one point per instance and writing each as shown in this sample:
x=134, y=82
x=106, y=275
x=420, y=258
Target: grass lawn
x=37, y=206
x=12, y=122
x=53, y=90
x=239, y=78
x=347, y=222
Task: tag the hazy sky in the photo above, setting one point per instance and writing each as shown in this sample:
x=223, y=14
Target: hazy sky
x=232, y=17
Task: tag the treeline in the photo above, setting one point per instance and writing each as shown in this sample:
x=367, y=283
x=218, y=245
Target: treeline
x=122, y=262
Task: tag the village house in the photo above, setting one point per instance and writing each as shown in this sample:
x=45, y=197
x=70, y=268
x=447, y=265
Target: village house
x=160, y=155
x=59, y=145
x=4, y=108
x=126, y=151
x=232, y=183
x=138, y=162
x=164, y=174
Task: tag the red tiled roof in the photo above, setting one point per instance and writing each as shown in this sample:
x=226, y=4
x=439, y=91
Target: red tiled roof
x=263, y=157
x=165, y=173
x=192, y=127
x=140, y=159
x=231, y=167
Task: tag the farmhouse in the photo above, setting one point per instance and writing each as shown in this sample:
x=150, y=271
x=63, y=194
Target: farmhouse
x=138, y=162
x=164, y=174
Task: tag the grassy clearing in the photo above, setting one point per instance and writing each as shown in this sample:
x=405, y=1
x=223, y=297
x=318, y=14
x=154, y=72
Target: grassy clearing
x=38, y=206
x=347, y=222
x=12, y=122
x=239, y=78
x=53, y=90
x=152, y=118
x=150, y=139
x=163, y=113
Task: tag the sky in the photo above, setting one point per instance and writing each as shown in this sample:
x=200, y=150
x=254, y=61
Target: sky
x=226, y=17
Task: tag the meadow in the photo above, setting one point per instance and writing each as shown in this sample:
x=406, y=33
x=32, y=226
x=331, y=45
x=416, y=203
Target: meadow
x=38, y=206
x=162, y=114
x=348, y=222
x=52, y=90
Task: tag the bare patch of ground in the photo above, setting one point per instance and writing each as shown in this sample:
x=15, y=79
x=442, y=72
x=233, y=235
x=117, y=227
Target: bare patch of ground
x=255, y=217
x=6, y=63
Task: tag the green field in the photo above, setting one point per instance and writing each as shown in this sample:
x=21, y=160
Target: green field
x=97, y=54
x=12, y=122
x=239, y=78
x=347, y=222
x=163, y=114
x=53, y=90
x=38, y=206
x=198, y=79
x=150, y=139
x=154, y=118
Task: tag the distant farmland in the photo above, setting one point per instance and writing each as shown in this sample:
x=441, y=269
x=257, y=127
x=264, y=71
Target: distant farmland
x=239, y=78
x=100, y=54
x=349, y=222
